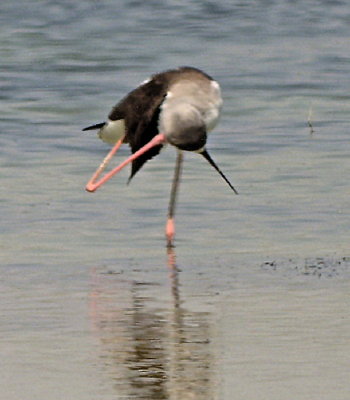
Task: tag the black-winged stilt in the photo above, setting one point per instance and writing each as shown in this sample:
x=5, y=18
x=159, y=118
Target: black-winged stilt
x=178, y=107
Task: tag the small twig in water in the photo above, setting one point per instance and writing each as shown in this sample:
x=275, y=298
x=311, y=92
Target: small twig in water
x=309, y=118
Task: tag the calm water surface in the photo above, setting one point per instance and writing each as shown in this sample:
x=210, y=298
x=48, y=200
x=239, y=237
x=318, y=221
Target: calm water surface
x=255, y=302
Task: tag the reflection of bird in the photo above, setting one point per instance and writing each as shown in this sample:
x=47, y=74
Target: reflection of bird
x=151, y=347
x=178, y=107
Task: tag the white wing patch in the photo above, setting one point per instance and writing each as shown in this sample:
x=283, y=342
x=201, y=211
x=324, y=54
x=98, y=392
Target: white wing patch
x=215, y=85
x=145, y=81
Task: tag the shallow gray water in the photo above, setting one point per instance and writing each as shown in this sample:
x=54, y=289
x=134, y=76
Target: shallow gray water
x=255, y=306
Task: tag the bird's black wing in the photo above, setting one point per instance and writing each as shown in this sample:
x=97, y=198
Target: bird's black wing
x=145, y=133
x=140, y=110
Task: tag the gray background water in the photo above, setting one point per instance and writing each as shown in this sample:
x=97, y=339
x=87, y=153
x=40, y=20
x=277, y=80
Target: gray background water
x=91, y=304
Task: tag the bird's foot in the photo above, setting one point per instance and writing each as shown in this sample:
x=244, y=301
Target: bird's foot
x=170, y=244
x=170, y=232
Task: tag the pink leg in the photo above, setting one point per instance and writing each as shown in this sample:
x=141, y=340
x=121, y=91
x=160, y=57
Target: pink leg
x=92, y=186
x=170, y=231
x=170, y=226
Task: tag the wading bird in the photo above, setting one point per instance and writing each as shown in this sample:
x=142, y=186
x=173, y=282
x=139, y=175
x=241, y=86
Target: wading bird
x=178, y=107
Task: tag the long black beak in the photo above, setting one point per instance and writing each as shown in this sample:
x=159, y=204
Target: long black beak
x=206, y=155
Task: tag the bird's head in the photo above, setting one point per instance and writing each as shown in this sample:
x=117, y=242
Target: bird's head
x=183, y=126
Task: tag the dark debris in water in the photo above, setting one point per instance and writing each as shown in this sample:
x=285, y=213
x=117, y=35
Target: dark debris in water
x=318, y=266
x=111, y=272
